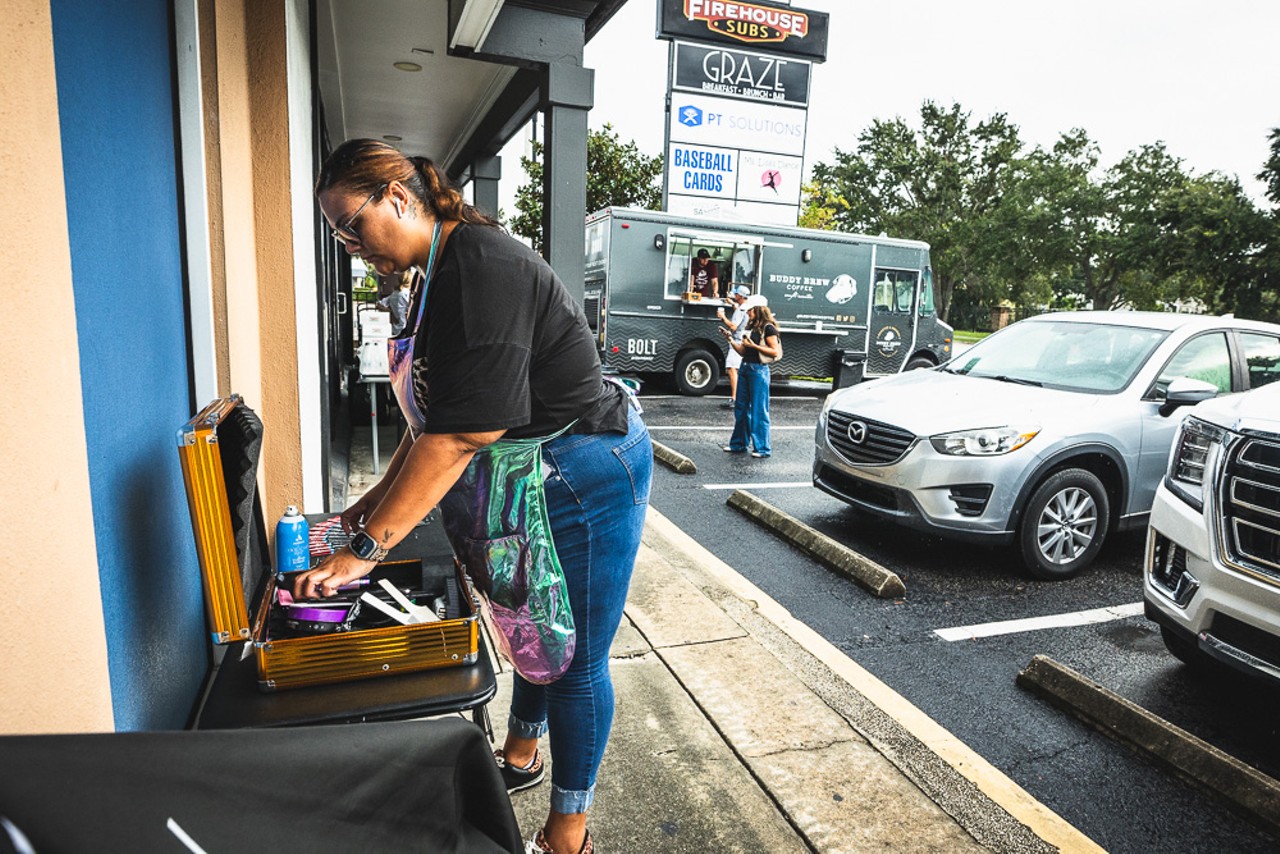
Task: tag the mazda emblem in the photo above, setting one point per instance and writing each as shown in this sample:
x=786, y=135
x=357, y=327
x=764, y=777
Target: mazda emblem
x=857, y=432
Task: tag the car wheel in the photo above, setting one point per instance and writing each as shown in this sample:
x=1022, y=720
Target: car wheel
x=697, y=372
x=1064, y=525
x=1183, y=649
x=915, y=363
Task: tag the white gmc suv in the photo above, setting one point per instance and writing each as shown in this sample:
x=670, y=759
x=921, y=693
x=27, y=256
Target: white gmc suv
x=1212, y=578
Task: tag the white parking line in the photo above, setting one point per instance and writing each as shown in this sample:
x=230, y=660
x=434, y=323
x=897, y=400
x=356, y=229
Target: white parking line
x=780, y=485
x=724, y=428
x=773, y=399
x=1031, y=624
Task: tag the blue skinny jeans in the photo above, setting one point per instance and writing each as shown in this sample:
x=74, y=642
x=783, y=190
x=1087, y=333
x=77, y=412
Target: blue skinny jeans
x=751, y=410
x=597, y=494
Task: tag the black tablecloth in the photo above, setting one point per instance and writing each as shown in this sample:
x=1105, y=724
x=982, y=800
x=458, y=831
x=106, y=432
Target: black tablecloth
x=385, y=787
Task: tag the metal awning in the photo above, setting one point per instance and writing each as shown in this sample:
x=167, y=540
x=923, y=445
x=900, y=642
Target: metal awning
x=458, y=104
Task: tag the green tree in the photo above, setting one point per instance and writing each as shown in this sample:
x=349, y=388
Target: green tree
x=1259, y=296
x=941, y=184
x=618, y=175
x=1043, y=224
x=1215, y=245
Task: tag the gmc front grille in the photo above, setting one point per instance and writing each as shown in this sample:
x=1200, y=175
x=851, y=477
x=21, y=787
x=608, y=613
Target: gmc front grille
x=1254, y=642
x=1251, y=507
x=865, y=442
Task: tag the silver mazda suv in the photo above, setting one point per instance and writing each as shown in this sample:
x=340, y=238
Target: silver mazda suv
x=1045, y=436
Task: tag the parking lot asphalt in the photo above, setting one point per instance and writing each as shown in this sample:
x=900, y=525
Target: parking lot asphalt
x=1118, y=799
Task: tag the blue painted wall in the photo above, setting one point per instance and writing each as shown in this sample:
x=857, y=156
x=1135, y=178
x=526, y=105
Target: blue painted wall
x=116, y=106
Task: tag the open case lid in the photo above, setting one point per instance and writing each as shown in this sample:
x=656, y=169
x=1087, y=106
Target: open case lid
x=219, y=449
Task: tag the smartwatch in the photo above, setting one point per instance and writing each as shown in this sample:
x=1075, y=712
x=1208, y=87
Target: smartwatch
x=366, y=547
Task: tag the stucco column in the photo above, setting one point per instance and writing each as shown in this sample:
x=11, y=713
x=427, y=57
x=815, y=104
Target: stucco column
x=254, y=209
x=52, y=636
x=567, y=92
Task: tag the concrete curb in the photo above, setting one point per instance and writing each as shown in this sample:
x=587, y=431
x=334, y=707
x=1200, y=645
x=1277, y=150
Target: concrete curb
x=884, y=717
x=1244, y=787
x=844, y=560
x=673, y=460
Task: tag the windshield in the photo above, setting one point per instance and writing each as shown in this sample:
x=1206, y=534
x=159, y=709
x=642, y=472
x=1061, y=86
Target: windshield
x=1091, y=357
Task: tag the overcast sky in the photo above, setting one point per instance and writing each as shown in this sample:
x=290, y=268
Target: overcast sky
x=1204, y=77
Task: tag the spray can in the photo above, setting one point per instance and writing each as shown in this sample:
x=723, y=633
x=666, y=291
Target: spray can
x=293, y=553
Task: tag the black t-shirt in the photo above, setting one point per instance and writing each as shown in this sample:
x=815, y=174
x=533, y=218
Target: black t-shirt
x=504, y=346
x=753, y=355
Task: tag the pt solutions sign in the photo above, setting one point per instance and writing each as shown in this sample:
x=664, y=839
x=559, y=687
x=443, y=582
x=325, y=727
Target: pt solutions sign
x=737, y=118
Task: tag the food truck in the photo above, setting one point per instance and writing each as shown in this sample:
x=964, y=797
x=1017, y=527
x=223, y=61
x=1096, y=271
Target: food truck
x=848, y=306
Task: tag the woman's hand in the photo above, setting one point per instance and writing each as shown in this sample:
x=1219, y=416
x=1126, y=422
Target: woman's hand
x=342, y=567
x=355, y=515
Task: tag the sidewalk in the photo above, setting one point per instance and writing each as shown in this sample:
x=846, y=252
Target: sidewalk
x=737, y=728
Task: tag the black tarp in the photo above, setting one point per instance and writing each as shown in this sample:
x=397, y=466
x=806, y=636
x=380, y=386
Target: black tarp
x=385, y=787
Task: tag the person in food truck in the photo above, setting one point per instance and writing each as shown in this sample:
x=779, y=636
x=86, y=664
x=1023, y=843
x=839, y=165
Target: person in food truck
x=496, y=357
x=704, y=278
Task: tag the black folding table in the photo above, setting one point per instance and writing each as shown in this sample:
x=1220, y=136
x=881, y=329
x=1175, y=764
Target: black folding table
x=233, y=700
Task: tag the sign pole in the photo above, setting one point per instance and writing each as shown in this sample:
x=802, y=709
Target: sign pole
x=666, y=123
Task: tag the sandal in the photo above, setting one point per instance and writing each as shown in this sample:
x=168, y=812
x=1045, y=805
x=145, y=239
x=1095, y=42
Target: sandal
x=538, y=845
x=518, y=779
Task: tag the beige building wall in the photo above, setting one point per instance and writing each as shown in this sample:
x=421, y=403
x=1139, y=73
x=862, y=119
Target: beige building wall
x=52, y=680
x=268, y=53
x=249, y=178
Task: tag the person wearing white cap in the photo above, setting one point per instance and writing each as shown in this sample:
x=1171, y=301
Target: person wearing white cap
x=737, y=326
x=760, y=346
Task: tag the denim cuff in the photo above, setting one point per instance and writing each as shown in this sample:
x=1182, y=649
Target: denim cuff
x=571, y=802
x=520, y=729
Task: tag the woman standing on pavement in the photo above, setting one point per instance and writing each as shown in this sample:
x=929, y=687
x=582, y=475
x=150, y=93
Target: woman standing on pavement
x=504, y=352
x=751, y=404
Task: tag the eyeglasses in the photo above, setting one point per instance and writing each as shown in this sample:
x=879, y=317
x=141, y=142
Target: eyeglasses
x=345, y=232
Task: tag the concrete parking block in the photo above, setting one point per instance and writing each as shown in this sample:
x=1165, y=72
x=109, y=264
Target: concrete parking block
x=1248, y=789
x=672, y=459
x=857, y=567
x=669, y=610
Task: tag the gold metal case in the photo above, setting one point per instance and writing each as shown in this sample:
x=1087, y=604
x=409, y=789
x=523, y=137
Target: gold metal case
x=230, y=570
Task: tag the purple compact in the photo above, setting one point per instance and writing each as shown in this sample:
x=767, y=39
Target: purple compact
x=320, y=619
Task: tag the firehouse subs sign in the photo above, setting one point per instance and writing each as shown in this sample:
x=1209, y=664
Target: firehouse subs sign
x=736, y=118
x=778, y=29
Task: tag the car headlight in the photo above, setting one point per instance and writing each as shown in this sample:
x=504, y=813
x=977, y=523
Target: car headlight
x=1190, y=461
x=987, y=442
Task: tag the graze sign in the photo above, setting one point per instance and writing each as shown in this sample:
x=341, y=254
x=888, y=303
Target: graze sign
x=780, y=29
x=736, y=119
x=732, y=73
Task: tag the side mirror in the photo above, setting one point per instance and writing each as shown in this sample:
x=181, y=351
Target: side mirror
x=1185, y=391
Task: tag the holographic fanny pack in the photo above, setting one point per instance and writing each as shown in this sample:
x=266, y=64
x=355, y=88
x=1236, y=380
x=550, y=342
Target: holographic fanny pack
x=496, y=519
